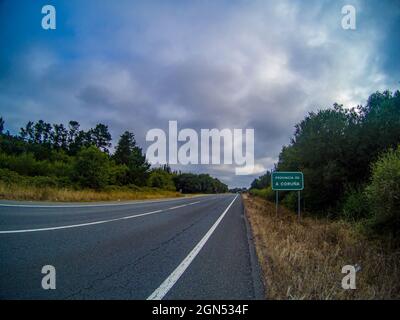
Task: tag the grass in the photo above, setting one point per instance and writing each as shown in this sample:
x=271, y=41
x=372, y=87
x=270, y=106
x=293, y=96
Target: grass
x=303, y=259
x=19, y=192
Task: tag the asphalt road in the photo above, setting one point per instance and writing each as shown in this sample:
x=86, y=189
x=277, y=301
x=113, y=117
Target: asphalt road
x=188, y=248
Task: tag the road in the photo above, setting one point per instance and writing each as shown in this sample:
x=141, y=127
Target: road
x=186, y=248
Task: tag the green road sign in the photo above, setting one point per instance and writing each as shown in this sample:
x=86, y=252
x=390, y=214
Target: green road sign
x=287, y=181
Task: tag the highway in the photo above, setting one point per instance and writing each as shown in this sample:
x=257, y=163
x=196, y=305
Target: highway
x=185, y=248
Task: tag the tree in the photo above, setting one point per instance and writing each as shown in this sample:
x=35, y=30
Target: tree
x=59, y=137
x=1, y=125
x=321, y=147
x=100, y=137
x=75, y=137
x=204, y=183
x=129, y=154
x=27, y=132
x=91, y=169
x=161, y=179
x=262, y=182
x=124, y=148
x=383, y=194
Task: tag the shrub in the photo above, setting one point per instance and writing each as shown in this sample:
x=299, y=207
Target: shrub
x=355, y=206
x=290, y=200
x=383, y=194
x=43, y=182
x=10, y=177
x=91, y=169
x=266, y=193
x=117, y=173
x=161, y=179
x=25, y=164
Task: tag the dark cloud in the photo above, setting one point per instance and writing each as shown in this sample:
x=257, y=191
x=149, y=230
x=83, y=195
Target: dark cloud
x=220, y=64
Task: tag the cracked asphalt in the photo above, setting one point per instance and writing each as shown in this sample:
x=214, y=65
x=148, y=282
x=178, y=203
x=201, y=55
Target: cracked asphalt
x=105, y=252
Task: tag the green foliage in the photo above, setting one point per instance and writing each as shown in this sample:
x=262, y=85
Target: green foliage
x=290, y=200
x=355, y=205
x=24, y=164
x=41, y=137
x=100, y=137
x=129, y=154
x=45, y=155
x=262, y=182
x=91, y=169
x=161, y=179
x=266, y=193
x=384, y=194
x=10, y=177
x=203, y=183
x=319, y=149
x=13, y=178
x=1, y=125
x=335, y=147
x=124, y=148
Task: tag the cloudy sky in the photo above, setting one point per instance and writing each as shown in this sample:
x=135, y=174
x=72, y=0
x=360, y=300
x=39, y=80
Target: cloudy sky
x=135, y=65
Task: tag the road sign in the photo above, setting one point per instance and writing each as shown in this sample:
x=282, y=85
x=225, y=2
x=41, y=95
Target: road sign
x=287, y=181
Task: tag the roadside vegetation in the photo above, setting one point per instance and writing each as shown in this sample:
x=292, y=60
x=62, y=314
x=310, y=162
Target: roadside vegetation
x=65, y=163
x=351, y=205
x=304, y=259
x=351, y=164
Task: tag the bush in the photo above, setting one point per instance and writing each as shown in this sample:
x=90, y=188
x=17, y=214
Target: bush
x=290, y=200
x=383, y=194
x=266, y=193
x=117, y=173
x=10, y=177
x=161, y=179
x=355, y=206
x=91, y=168
x=25, y=164
x=43, y=182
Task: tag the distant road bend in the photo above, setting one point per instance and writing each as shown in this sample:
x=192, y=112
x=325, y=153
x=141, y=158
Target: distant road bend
x=185, y=248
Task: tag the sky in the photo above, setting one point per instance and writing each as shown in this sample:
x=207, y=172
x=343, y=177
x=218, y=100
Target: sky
x=135, y=65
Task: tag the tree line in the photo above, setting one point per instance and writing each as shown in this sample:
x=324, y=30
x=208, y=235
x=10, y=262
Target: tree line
x=351, y=163
x=59, y=155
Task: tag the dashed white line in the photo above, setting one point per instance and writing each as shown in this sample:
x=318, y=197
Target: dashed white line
x=163, y=289
x=81, y=224
x=183, y=205
x=93, y=223
x=89, y=205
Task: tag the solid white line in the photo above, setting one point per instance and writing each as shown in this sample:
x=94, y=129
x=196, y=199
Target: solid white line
x=163, y=289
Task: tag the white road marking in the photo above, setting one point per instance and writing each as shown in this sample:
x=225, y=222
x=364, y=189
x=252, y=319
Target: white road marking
x=92, y=223
x=183, y=205
x=177, y=207
x=89, y=205
x=163, y=289
x=79, y=225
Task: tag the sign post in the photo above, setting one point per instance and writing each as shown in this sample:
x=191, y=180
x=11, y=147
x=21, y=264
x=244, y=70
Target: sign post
x=298, y=204
x=288, y=181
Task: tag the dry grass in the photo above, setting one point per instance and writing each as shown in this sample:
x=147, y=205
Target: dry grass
x=303, y=259
x=16, y=192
